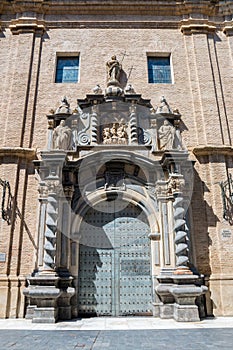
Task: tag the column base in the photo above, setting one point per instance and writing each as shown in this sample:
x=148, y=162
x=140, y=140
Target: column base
x=166, y=311
x=186, y=313
x=43, y=293
x=45, y=315
x=178, y=294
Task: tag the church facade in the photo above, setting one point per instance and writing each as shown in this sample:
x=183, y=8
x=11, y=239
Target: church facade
x=116, y=159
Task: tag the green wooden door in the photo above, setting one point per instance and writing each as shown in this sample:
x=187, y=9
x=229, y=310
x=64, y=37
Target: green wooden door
x=114, y=261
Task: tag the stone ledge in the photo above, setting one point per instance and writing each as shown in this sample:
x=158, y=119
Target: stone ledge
x=221, y=277
x=210, y=150
x=18, y=152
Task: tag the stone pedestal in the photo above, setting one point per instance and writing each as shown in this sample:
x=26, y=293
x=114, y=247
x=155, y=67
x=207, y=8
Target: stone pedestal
x=64, y=304
x=43, y=292
x=178, y=295
x=167, y=299
x=185, y=309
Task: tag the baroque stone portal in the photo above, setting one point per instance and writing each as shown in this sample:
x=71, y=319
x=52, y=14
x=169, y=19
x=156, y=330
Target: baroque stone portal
x=110, y=213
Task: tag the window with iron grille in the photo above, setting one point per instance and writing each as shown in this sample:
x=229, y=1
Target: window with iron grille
x=67, y=70
x=159, y=70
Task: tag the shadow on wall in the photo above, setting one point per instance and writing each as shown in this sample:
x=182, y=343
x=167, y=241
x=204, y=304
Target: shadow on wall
x=203, y=217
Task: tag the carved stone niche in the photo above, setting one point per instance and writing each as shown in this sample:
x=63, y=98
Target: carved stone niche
x=168, y=121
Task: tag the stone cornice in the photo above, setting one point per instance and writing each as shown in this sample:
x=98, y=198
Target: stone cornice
x=191, y=16
x=28, y=154
x=212, y=150
x=139, y=7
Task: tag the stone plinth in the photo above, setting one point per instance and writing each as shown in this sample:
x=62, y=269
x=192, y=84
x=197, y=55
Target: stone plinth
x=43, y=292
x=64, y=304
x=178, y=295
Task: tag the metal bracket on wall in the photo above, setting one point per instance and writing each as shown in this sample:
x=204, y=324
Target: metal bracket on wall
x=227, y=198
x=6, y=200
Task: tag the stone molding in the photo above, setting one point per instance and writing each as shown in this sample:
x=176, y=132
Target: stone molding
x=18, y=152
x=222, y=277
x=137, y=7
x=210, y=150
x=147, y=14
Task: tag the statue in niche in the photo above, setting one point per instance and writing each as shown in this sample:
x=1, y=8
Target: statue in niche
x=62, y=137
x=113, y=69
x=166, y=135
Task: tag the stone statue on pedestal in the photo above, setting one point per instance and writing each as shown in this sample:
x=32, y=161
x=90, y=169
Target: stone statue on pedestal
x=62, y=137
x=166, y=135
x=113, y=70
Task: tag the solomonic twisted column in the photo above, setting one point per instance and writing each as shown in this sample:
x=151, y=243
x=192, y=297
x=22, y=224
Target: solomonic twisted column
x=94, y=126
x=133, y=125
x=50, y=233
x=181, y=235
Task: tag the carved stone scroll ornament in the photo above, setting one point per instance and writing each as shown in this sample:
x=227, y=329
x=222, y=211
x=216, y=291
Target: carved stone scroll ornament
x=62, y=137
x=83, y=138
x=144, y=137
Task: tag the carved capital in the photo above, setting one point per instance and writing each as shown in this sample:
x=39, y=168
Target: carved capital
x=176, y=184
x=43, y=191
x=54, y=186
x=163, y=193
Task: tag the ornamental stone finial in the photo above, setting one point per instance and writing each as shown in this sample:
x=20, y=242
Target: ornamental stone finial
x=64, y=107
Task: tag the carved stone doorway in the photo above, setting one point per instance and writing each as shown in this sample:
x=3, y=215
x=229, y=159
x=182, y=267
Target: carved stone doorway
x=114, y=261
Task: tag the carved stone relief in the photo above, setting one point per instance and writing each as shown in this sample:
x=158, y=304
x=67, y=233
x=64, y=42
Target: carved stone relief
x=115, y=133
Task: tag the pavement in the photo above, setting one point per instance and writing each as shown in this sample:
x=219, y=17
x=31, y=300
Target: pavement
x=117, y=333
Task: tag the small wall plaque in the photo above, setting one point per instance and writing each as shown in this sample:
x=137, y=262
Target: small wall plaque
x=226, y=233
x=2, y=257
